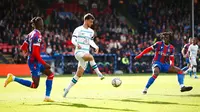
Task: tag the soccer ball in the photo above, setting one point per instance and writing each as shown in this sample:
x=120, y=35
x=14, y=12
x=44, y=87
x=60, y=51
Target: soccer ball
x=116, y=82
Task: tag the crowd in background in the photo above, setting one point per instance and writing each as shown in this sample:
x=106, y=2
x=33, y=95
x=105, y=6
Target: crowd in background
x=112, y=35
x=156, y=16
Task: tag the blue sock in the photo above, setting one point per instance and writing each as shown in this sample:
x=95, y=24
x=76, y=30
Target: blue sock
x=184, y=68
x=180, y=79
x=23, y=82
x=49, y=82
x=150, y=81
x=190, y=73
x=48, y=87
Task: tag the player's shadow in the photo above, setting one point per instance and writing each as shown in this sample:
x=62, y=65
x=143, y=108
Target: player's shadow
x=79, y=105
x=137, y=100
x=192, y=95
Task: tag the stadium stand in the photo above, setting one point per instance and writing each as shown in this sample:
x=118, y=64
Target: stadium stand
x=111, y=34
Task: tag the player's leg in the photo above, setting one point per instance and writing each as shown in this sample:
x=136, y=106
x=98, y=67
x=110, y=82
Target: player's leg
x=184, y=68
x=187, y=66
x=82, y=64
x=90, y=58
x=194, y=69
x=27, y=83
x=180, y=74
x=74, y=80
x=155, y=74
x=49, y=82
x=189, y=70
x=36, y=81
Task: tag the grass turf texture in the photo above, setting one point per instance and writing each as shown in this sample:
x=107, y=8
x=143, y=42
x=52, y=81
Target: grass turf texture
x=94, y=95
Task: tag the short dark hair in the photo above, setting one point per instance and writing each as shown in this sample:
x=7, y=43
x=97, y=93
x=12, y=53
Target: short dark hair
x=36, y=22
x=89, y=16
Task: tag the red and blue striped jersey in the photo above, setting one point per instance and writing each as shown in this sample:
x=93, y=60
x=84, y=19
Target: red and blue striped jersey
x=186, y=46
x=163, y=52
x=34, y=38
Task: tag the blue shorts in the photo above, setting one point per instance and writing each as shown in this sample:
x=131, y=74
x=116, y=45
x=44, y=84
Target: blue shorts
x=36, y=68
x=187, y=60
x=164, y=67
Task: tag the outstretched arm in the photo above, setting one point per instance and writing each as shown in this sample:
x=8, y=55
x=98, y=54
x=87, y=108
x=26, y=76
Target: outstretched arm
x=145, y=51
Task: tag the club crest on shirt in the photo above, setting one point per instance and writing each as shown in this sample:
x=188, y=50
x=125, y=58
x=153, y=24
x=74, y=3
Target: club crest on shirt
x=39, y=40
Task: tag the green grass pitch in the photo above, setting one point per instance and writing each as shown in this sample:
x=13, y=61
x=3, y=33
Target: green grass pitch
x=91, y=94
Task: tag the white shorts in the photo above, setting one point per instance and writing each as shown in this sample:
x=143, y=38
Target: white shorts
x=193, y=61
x=81, y=62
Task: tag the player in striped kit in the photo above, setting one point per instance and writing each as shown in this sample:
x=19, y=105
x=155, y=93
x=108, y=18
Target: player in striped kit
x=192, y=53
x=36, y=64
x=164, y=52
x=184, y=53
x=82, y=38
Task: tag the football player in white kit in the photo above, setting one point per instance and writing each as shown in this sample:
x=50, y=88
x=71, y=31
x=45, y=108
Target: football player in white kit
x=192, y=52
x=82, y=38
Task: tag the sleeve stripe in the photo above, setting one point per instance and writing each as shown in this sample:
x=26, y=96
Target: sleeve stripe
x=74, y=36
x=37, y=44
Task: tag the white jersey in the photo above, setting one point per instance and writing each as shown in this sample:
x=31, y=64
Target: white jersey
x=83, y=37
x=193, y=50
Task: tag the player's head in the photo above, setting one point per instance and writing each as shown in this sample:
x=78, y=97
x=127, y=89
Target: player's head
x=194, y=40
x=37, y=23
x=190, y=40
x=89, y=19
x=167, y=37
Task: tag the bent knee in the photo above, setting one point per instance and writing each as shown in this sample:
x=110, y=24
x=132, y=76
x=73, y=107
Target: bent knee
x=156, y=71
x=34, y=85
x=88, y=57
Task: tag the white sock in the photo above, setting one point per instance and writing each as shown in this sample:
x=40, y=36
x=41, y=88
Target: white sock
x=47, y=97
x=95, y=68
x=195, y=71
x=145, y=89
x=181, y=85
x=13, y=78
x=188, y=70
x=73, y=82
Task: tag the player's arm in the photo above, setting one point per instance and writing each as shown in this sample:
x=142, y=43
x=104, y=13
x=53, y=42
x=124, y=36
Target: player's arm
x=36, y=53
x=74, y=38
x=74, y=41
x=147, y=50
x=182, y=51
x=93, y=44
x=188, y=52
x=24, y=47
x=171, y=57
